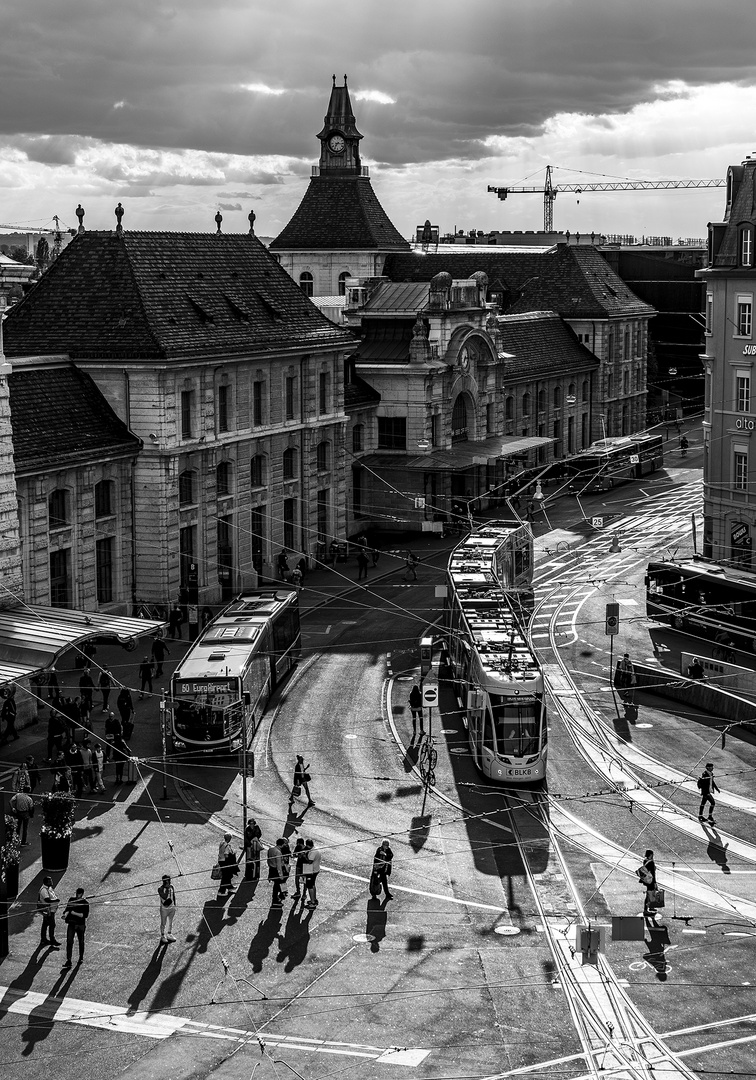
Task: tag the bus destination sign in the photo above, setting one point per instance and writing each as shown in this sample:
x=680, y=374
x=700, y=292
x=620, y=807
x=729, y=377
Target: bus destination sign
x=205, y=686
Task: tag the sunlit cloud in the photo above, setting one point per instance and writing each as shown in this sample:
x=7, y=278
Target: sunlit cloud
x=376, y=96
x=260, y=88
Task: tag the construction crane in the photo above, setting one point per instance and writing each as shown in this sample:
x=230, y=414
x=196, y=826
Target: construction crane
x=550, y=190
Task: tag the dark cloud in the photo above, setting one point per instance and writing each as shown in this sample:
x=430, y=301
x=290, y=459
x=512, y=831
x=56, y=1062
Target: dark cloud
x=458, y=72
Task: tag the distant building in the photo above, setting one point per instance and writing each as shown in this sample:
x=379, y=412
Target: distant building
x=730, y=414
x=231, y=379
x=340, y=230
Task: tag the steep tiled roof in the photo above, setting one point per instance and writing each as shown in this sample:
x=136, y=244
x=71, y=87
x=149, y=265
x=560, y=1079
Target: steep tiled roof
x=165, y=295
x=742, y=211
x=59, y=418
x=575, y=281
x=541, y=345
x=339, y=213
x=358, y=394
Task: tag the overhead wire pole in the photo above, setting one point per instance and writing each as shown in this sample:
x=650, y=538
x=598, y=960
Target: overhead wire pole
x=550, y=190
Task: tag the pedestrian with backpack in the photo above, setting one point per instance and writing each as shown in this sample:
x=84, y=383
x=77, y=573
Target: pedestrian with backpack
x=706, y=784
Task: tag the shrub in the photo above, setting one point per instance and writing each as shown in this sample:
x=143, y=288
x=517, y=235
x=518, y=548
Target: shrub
x=58, y=814
x=10, y=851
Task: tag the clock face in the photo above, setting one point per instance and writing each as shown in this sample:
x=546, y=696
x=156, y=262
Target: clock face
x=464, y=359
x=336, y=144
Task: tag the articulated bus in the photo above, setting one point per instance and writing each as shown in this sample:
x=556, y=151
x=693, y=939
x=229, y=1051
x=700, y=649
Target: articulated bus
x=706, y=600
x=220, y=689
x=608, y=462
x=496, y=676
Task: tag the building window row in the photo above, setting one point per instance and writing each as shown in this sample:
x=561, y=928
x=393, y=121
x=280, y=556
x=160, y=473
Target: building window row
x=59, y=504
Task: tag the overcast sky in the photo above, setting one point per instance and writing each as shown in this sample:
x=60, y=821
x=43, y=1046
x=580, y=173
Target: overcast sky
x=178, y=109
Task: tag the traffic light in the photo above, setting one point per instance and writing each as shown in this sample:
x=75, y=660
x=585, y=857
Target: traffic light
x=612, y=618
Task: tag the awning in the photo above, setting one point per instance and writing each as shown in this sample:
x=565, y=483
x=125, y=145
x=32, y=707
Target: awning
x=33, y=637
x=460, y=456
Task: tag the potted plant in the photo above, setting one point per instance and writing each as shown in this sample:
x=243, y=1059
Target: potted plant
x=58, y=816
x=10, y=855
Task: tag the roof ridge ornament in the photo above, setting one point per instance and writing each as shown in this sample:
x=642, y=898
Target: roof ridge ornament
x=251, y=219
x=80, y=216
x=119, y=212
x=218, y=222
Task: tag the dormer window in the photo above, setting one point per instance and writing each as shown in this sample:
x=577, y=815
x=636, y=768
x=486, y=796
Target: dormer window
x=746, y=245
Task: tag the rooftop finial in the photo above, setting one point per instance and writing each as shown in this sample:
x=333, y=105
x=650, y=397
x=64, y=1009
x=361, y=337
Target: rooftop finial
x=334, y=78
x=119, y=212
x=345, y=80
x=251, y=220
x=80, y=216
x=218, y=221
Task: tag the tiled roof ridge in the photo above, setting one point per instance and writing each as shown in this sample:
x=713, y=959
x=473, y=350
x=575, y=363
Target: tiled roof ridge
x=531, y=316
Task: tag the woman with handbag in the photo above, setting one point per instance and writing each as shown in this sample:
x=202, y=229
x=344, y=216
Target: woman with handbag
x=647, y=876
x=301, y=780
x=228, y=863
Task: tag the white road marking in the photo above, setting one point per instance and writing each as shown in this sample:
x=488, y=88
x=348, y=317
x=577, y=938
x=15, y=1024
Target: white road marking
x=163, y=1026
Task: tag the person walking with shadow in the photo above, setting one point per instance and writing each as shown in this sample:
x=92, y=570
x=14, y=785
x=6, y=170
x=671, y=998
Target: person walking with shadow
x=168, y=905
x=625, y=679
x=47, y=904
x=647, y=877
x=228, y=863
x=416, y=708
x=410, y=566
x=312, y=866
x=298, y=855
x=382, y=861
x=75, y=916
x=363, y=563
x=706, y=785
x=276, y=874
x=252, y=850
x=301, y=782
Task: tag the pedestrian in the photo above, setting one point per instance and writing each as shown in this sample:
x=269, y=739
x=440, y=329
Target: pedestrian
x=647, y=877
x=145, y=677
x=302, y=568
x=298, y=854
x=362, y=564
x=683, y=445
x=168, y=905
x=296, y=578
x=87, y=772
x=159, y=652
x=410, y=564
x=301, y=780
x=375, y=555
x=22, y=806
x=113, y=727
x=276, y=874
x=53, y=687
x=8, y=716
x=706, y=785
x=282, y=564
x=624, y=679
x=105, y=684
x=33, y=770
x=228, y=862
x=75, y=915
x=86, y=686
x=21, y=779
x=120, y=752
x=695, y=669
x=382, y=861
x=75, y=763
x=125, y=705
x=56, y=731
x=416, y=706
x=98, y=767
x=61, y=777
x=47, y=905
x=252, y=850
x=313, y=869
x=175, y=620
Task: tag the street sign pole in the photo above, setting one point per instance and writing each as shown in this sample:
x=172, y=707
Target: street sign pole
x=164, y=733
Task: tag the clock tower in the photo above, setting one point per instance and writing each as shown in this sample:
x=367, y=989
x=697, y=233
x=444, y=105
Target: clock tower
x=339, y=138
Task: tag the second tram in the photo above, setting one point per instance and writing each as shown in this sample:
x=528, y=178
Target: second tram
x=220, y=689
x=496, y=675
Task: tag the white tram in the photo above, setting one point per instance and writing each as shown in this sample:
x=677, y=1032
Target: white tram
x=496, y=675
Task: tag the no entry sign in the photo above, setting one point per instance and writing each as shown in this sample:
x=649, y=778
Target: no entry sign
x=430, y=696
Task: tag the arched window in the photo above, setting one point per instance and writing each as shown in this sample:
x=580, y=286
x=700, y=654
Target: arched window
x=541, y=400
x=103, y=499
x=508, y=408
x=358, y=438
x=625, y=382
x=571, y=392
x=343, y=278
x=257, y=471
x=223, y=478
x=525, y=405
x=585, y=390
x=321, y=456
x=289, y=463
x=59, y=509
x=610, y=385
x=557, y=396
x=459, y=420
x=186, y=488
x=306, y=283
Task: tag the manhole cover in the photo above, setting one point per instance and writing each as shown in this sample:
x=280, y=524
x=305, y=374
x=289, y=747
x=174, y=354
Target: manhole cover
x=506, y=931
x=350, y=736
x=449, y=731
x=458, y=750
x=363, y=938
x=643, y=725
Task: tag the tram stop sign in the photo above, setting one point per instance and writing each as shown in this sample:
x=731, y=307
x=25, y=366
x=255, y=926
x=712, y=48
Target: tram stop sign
x=430, y=696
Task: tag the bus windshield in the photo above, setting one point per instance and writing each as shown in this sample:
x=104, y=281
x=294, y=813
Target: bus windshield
x=517, y=724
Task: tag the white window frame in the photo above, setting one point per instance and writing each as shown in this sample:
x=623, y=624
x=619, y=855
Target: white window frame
x=744, y=312
x=746, y=246
x=740, y=467
x=742, y=391
x=709, y=313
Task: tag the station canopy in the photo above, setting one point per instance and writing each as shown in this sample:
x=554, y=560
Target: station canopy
x=33, y=637
x=460, y=456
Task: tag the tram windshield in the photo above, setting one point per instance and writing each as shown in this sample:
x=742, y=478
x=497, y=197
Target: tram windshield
x=517, y=725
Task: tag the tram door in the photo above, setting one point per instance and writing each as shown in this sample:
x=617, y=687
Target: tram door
x=475, y=705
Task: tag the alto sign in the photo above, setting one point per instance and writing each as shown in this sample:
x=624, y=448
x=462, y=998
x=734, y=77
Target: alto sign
x=745, y=423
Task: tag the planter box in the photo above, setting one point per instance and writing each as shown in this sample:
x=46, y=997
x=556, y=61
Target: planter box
x=55, y=853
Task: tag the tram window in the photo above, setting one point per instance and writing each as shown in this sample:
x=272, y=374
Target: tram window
x=488, y=740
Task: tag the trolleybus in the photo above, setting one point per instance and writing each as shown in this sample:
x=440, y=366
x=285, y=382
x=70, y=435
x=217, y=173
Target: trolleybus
x=704, y=599
x=496, y=676
x=220, y=689
x=608, y=462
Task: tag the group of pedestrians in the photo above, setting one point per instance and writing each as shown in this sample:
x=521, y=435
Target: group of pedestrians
x=75, y=915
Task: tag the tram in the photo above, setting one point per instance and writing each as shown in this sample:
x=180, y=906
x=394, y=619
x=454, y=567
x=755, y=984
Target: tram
x=608, y=462
x=706, y=600
x=221, y=687
x=496, y=676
